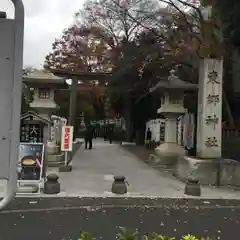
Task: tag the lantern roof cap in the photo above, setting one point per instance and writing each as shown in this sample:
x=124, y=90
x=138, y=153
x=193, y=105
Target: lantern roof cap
x=42, y=76
x=173, y=82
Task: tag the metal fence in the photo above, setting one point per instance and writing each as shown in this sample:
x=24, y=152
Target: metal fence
x=231, y=143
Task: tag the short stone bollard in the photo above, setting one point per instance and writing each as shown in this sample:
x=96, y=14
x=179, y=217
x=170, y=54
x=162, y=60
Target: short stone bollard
x=52, y=186
x=193, y=187
x=119, y=185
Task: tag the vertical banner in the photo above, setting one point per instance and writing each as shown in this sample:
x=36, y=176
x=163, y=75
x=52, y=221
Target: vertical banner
x=162, y=130
x=180, y=131
x=158, y=130
x=67, y=138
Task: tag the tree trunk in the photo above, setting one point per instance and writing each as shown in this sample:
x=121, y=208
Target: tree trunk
x=128, y=117
x=72, y=107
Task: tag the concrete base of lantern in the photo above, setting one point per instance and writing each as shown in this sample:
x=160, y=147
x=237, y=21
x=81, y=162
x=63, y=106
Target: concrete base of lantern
x=193, y=188
x=27, y=188
x=53, y=148
x=168, y=153
x=65, y=168
x=55, y=160
x=225, y=172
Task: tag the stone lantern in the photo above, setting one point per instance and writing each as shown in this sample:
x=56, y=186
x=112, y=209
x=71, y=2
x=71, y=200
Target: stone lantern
x=44, y=85
x=172, y=106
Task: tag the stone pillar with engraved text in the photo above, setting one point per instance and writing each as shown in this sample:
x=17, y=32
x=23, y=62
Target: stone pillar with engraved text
x=209, y=132
x=205, y=166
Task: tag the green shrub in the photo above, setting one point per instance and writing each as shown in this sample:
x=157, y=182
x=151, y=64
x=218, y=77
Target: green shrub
x=126, y=234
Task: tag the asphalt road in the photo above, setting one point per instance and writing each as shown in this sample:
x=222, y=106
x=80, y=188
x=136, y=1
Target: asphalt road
x=64, y=219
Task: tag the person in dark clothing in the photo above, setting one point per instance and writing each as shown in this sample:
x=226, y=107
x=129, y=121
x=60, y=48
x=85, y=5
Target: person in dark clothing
x=88, y=137
x=94, y=132
x=105, y=133
x=110, y=134
x=148, y=138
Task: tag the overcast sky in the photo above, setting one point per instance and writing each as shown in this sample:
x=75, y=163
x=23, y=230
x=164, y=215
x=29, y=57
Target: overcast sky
x=44, y=21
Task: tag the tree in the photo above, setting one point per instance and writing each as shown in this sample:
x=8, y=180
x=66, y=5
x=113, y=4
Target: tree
x=112, y=17
x=229, y=14
x=187, y=37
x=112, y=34
x=78, y=49
x=118, y=31
x=90, y=103
x=98, y=103
x=192, y=36
x=26, y=93
x=140, y=41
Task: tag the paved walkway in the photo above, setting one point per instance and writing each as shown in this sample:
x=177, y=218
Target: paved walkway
x=93, y=172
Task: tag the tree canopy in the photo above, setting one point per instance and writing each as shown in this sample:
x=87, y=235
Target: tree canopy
x=139, y=41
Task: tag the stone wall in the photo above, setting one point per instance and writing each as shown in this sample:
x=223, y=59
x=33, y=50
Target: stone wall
x=208, y=171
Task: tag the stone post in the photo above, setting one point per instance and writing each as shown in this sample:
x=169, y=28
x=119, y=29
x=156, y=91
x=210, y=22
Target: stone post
x=209, y=129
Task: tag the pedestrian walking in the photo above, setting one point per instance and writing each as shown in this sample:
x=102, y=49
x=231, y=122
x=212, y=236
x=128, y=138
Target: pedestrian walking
x=110, y=134
x=105, y=130
x=88, y=136
x=148, y=138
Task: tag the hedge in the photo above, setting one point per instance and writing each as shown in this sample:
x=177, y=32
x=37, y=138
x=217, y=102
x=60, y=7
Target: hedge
x=125, y=234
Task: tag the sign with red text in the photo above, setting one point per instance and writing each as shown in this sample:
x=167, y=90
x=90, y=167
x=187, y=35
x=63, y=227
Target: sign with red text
x=67, y=138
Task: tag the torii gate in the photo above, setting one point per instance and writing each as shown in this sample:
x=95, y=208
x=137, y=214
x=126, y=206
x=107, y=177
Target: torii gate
x=76, y=76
